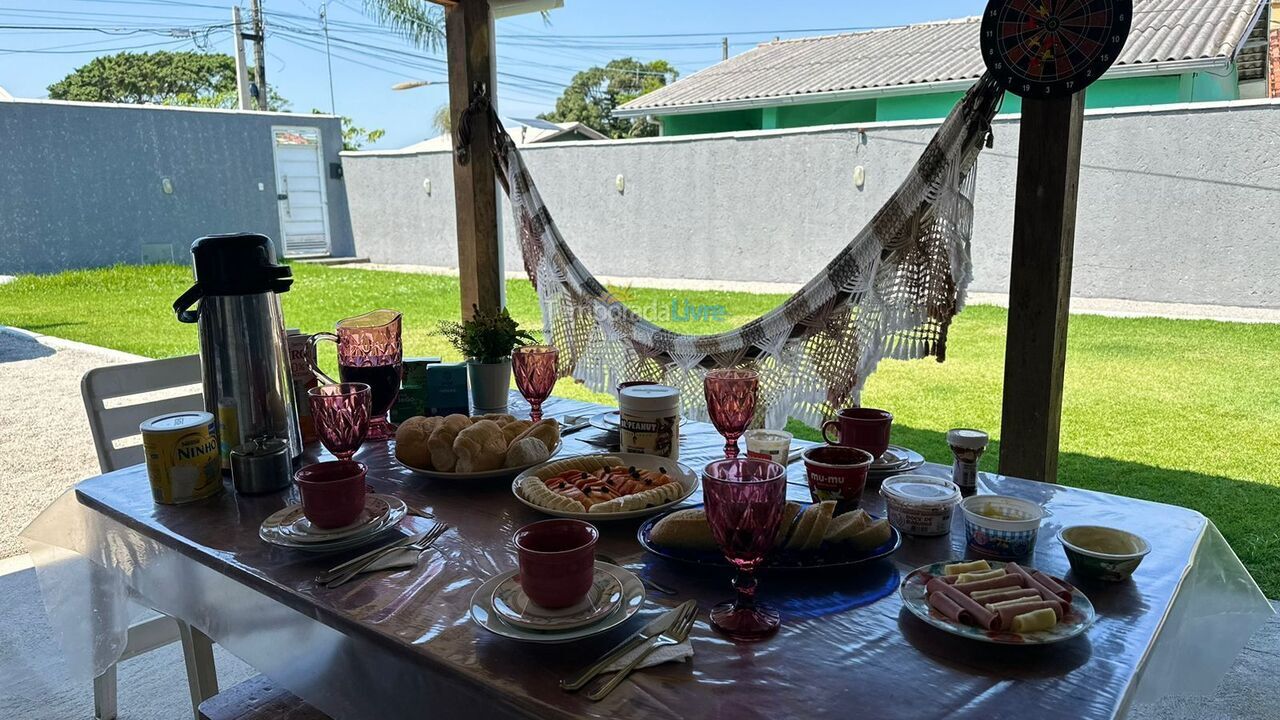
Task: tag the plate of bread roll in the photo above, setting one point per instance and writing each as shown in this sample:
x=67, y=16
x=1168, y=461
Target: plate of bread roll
x=997, y=602
x=616, y=486
x=457, y=447
x=809, y=537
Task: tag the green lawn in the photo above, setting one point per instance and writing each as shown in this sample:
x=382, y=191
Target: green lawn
x=1182, y=412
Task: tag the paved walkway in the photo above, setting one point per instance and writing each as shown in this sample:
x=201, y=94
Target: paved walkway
x=1080, y=306
x=45, y=449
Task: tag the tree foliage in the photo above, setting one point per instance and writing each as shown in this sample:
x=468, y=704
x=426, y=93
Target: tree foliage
x=161, y=77
x=417, y=21
x=441, y=120
x=595, y=93
x=354, y=137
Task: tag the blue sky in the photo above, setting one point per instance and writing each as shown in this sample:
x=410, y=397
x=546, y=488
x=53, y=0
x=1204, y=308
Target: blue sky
x=539, y=57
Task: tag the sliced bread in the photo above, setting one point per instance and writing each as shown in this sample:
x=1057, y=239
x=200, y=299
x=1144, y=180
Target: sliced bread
x=847, y=525
x=789, y=513
x=825, y=510
x=803, y=527
x=875, y=534
x=684, y=529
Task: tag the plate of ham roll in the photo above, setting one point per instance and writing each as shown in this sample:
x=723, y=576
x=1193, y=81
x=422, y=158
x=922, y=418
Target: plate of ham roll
x=997, y=602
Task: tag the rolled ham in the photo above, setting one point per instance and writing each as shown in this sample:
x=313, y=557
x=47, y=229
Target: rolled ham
x=1018, y=571
x=950, y=608
x=1000, y=595
x=992, y=584
x=1054, y=586
x=1008, y=612
x=982, y=617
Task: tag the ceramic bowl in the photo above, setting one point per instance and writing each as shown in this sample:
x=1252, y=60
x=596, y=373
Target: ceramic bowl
x=1103, y=553
x=1000, y=526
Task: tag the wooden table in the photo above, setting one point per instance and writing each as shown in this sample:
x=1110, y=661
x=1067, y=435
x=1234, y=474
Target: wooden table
x=402, y=644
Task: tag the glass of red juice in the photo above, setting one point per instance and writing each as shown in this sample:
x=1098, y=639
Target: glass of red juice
x=370, y=352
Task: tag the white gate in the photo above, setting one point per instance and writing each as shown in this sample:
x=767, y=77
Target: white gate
x=300, y=192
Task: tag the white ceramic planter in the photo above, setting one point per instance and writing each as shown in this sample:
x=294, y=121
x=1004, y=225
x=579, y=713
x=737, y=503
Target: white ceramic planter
x=490, y=385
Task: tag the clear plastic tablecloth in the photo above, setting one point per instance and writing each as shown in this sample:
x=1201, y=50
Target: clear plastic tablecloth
x=402, y=644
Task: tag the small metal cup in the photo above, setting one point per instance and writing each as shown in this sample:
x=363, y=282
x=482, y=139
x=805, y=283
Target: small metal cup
x=261, y=466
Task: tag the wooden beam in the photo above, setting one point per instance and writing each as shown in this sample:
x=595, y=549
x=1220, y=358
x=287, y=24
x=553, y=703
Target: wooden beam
x=1044, y=226
x=469, y=33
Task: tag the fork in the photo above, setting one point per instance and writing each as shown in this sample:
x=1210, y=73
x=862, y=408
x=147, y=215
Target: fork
x=676, y=634
x=421, y=546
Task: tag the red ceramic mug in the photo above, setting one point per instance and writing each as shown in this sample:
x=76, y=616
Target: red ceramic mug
x=333, y=492
x=862, y=428
x=837, y=473
x=557, y=561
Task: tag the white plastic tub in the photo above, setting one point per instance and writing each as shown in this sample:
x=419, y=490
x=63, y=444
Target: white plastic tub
x=920, y=505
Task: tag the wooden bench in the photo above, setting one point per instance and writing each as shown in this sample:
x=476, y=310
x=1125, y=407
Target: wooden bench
x=258, y=698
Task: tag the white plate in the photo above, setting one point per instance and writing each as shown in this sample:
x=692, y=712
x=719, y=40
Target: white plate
x=677, y=471
x=270, y=529
x=485, y=616
x=515, y=608
x=500, y=473
x=608, y=421
x=301, y=530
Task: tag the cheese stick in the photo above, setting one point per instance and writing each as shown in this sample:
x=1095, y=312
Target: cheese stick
x=1000, y=582
x=958, y=568
x=979, y=576
x=1034, y=621
x=1009, y=608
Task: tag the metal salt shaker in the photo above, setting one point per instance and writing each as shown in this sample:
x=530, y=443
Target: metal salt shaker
x=261, y=465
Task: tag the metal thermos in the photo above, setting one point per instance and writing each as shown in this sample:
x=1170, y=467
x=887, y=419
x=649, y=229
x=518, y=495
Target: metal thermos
x=244, y=357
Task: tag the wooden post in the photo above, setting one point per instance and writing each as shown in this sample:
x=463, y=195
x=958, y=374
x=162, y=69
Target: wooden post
x=469, y=31
x=1044, y=226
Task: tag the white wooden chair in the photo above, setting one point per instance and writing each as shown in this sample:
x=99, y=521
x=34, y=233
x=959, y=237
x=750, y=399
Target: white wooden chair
x=109, y=425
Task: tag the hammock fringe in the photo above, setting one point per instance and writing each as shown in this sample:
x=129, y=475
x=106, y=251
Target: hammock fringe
x=891, y=292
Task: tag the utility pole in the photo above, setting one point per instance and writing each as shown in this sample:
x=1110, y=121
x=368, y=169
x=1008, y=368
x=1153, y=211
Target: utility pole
x=324, y=20
x=724, y=49
x=259, y=55
x=242, y=69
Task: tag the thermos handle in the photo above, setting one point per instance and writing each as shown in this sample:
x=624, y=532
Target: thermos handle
x=182, y=306
x=312, y=360
x=828, y=425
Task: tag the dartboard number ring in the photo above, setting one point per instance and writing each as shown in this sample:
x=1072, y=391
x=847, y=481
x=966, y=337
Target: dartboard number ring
x=1053, y=48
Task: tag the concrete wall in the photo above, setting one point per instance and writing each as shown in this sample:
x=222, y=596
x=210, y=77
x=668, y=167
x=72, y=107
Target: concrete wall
x=82, y=182
x=1177, y=203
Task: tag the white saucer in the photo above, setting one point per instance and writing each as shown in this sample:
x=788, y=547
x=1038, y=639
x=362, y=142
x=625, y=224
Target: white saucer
x=302, y=530
x=514, y=607
x=273, y=528
x=485, y=616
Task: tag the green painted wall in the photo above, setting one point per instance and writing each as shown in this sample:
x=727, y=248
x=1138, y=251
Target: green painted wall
x=1118, y=92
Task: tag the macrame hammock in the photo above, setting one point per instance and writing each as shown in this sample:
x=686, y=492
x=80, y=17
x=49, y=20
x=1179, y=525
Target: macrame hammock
x=891, y=292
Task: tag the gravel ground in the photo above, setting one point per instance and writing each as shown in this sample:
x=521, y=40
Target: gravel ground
x=45, y=447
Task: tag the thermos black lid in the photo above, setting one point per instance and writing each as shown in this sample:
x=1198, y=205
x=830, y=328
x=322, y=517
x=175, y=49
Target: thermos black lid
x=238, y=264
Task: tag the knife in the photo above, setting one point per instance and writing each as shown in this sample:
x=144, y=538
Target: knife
x=656, y=627
x=332, y=573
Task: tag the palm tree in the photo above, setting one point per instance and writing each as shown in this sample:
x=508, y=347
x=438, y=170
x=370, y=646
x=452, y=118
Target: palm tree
x=418, y=21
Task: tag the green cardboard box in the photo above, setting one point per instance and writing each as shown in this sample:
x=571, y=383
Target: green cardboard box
x=447, y=389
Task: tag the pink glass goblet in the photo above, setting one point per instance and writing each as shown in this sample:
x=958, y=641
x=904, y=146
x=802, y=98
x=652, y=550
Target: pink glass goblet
x=341, y=412
x=535, y=369
x=731, y=403
x=744, y=500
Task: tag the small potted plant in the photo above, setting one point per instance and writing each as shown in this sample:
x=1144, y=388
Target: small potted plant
x=486, y=340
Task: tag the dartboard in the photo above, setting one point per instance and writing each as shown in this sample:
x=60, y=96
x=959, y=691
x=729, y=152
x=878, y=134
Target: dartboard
x=1052, y=48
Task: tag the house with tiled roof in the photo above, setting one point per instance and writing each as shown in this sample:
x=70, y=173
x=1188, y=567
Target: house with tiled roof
x=1177, y=51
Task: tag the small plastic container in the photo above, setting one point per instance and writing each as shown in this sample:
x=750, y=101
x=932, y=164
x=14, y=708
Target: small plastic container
x=1000, y=526
x=920, y=505
x=649, y=420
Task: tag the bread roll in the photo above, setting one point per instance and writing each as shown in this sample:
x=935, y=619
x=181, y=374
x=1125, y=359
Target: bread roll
x=411, y=441
x=825, y=510
x=480, y=447
x=502, y=419
x=513, y=430
x=847, y=525
x=528, y=451
x=443, y=458
x=547, y=430
x=789, y=513
x=684, y=529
